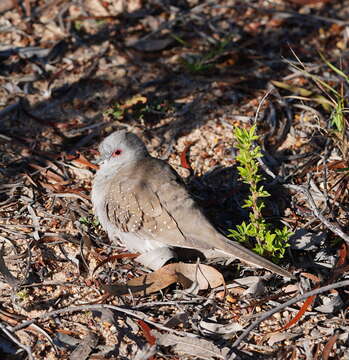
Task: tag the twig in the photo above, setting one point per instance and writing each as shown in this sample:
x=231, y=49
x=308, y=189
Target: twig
x=261, y=103
x=262, y=164
x=325, y=173
x=170, y=303
x=285, y=305
x=70, y=195
x=136, y=314
x=48, y=337
x=5, y=329
x=333, y=227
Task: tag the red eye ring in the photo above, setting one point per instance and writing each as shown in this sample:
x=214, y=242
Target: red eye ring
x=116, y=153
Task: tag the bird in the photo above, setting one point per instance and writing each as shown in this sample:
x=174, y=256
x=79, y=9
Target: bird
x=143, y=204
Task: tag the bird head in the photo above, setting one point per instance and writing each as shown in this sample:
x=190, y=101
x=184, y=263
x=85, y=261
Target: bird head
x=121, y=148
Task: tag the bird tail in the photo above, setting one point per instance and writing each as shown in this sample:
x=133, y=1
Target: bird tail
x=234, y=249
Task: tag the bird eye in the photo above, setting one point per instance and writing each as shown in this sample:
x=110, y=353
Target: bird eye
x=116, y=153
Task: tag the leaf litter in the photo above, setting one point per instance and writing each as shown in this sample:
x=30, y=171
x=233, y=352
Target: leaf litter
x=180, y=76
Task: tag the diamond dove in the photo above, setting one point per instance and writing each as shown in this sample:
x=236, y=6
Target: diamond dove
x=143, y=204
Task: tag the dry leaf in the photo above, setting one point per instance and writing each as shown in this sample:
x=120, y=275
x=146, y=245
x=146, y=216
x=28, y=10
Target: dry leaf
x=279, y=337
x=216, y=330
x=196, y=347
x=134, y=101
x=329, y=347
x=186, y=274
x=330, y=304
x=181, y=318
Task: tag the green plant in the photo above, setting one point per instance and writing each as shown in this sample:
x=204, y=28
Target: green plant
x=78, y=25
x=89, y=221
x=196, y=64
x=156, y=108
x=333, y=100
x=337, y=116
x=117, y=112
x=267, y=241
x=203, y=62
x=23, y=294
x=100, y=22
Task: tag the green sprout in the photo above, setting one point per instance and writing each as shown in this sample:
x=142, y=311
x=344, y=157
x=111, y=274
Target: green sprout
x=88, y=221
x=204, y=62
x=267, y=241
x=23, y=294
x=117, y=112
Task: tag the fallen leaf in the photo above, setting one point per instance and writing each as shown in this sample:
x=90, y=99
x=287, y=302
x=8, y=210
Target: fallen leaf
x=330, y=304
x=181, y=318
x=133, y=101
x=186, y=274
x=184, y=161
x=50, y=174
x=6, y=5
x=309, y=2
x=257, y=289
x=196, y=347
x=278, y=337
x=222, y=331
x=151, y=339
x=52, y=187
x=95, y=8
x=63, y=339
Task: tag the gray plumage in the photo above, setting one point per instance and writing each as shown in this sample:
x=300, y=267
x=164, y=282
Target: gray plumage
x=142, y=203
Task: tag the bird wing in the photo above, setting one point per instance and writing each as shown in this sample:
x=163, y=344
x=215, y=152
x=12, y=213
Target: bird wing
x=134, y=207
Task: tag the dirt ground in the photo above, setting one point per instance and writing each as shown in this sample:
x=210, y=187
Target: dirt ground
x=180, y=74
